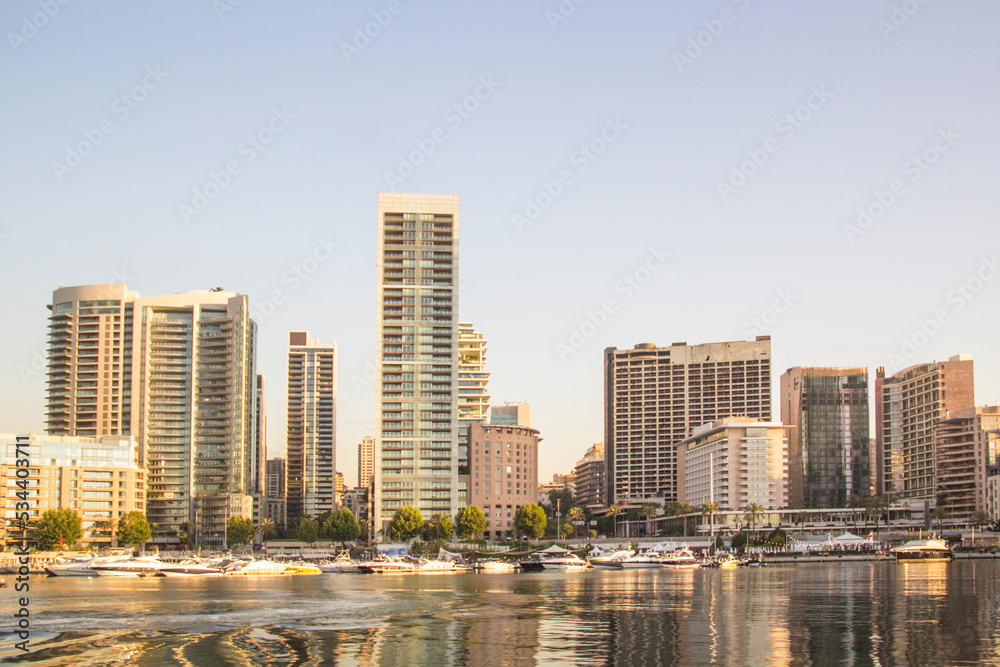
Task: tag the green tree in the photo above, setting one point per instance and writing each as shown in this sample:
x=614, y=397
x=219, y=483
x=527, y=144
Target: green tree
x=267, y=530
x=343, y=527
x=612, y=513
x=752, y=513
x=940, y=513
x=777, y=538
x=530, y=520
x=877, y=506
x=440, y=527
x=562, y=500
x=187, y=534
x=60, y=528
x=683, y=509
x=470, y=521
x=308, y=530
x=574, y=515
x=739, y=541
x=980, y=519
x=239, y=531
x=133, y=529
x=802, y=517
x=406, y=523
x=566, y=528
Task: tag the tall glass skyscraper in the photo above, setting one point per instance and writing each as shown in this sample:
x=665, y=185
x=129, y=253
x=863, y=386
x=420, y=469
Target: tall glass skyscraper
x=417, y=355
x=828, y=456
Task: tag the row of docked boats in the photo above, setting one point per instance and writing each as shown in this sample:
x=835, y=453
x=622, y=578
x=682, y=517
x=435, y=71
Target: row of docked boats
x=151, y=566
x=652, y=558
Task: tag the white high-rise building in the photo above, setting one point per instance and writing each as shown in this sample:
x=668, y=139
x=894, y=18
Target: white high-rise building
x=312, y=426
x=417, y=355
x=178, y=373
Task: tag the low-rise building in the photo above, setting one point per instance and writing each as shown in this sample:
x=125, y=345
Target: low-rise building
x=101, y=478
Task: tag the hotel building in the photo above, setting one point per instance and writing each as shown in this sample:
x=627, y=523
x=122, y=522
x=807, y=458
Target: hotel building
x=827, y=411
x=655, y=396
x=504, y=472
x=416, y=330
x=312, y=426
x=177, y=372
x=98, y=477
x=908, y=406
x=734, y=462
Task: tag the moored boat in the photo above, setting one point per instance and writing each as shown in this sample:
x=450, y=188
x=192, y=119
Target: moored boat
x=924, y=551
x=341, y=564
x=611, y=560
x=140, y=566
x=682, y=560
x=568, y=562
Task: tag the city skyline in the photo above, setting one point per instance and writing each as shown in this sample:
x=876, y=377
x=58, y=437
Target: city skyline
x=640, y=174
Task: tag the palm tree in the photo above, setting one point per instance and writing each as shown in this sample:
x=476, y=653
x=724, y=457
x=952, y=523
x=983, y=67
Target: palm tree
x=613, y=512
x=752, y=512
x=980, y=519
x=940, y=513
x=877, y=505
x=800, y=519
x=649, y=511
x=711, y=509
x=682, y=509
x=267, y=530
x=575, y=514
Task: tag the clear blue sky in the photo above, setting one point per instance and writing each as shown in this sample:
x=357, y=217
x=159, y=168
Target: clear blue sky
x=739, y=138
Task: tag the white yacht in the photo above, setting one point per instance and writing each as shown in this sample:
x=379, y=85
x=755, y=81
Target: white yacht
x=80, y=566
x=214, y=567
x=341, y=564
x=611, y=560
x=683, y=560
x=257, y=567
x=140, y=566
x=647, y=560
x=568, y=562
